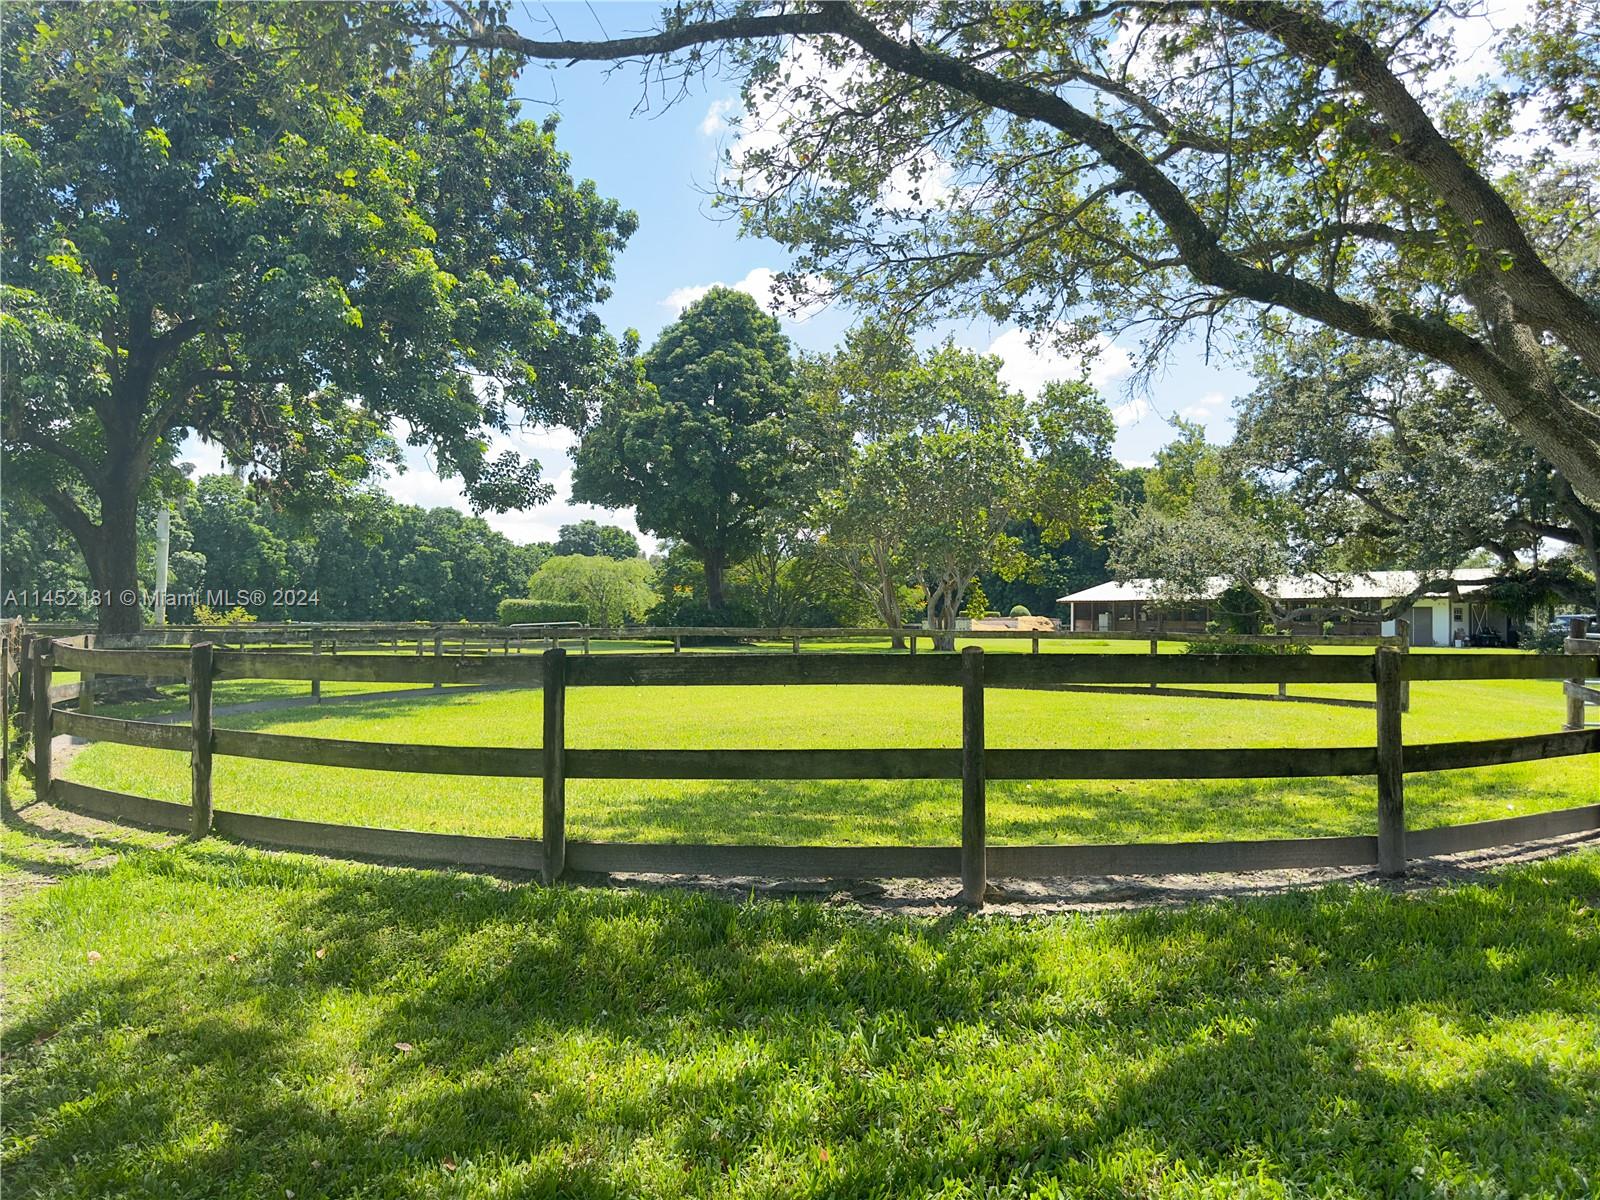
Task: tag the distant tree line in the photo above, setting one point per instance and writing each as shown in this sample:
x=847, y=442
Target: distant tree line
x=372, y=560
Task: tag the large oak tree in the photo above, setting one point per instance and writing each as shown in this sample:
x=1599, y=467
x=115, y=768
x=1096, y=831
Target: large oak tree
x=1379, y=460
x=294, y=230
x=1172, y=162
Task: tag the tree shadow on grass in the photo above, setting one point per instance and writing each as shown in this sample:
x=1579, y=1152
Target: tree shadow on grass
x=607, y=1043
x=1042, y=812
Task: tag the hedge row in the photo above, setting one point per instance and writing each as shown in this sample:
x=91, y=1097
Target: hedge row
x=539, y=612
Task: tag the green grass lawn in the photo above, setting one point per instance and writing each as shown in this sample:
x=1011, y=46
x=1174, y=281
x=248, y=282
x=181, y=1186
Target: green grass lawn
x=211, y=1021
x=864, y=812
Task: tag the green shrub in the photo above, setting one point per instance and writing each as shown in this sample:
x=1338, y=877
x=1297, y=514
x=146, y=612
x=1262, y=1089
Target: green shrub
x=1222, y=644
x=977, y=603
x=683, y=611
x=1327, y=628
x=204, y=614
x=515, y=611
x=1020, y=610
x=1546, y=641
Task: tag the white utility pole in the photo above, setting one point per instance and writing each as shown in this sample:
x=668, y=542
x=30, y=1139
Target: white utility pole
x=163, y=541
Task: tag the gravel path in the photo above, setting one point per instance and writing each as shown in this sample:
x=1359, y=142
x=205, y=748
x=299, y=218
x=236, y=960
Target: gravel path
x=1112, y=893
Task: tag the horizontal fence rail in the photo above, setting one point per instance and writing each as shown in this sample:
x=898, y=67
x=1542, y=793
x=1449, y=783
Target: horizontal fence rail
x=854, y=763
x=481, y=633
x=1022, y=671
x=1386, y=670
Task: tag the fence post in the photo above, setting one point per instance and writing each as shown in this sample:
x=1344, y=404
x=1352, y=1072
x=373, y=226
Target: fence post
x=1155, y=649
x=200, y=673
x=5, y=715
x=797, y=645
x=438, y=652
x=25, y=674
x=554, y=833
x=1579, y=630
x=677, y=643
x=86, y=681
x=974, y=832
x=43, y=734
x=1403, y=628
x=1391, y=766
x=911, y=640
x=316, y=675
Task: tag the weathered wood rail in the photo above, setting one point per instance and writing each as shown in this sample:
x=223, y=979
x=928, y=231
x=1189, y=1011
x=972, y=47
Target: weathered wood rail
x=482, y=637
x=479, y=639
x=1389, y=759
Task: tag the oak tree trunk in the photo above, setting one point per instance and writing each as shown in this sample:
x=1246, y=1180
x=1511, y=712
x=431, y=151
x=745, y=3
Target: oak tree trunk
x=716, y=567
x=112, y=556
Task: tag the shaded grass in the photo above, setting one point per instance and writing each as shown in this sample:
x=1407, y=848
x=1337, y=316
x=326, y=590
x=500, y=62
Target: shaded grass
x=262, y=1025
x=864, y=812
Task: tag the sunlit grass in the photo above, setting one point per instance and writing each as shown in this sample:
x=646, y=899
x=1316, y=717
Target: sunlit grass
x=218, y=1022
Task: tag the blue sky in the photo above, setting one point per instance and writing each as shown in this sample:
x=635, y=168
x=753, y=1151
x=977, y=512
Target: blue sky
x=661, y=160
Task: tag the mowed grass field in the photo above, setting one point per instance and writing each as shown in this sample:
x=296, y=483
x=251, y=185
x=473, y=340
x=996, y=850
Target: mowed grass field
x=205, y=1020
x=866, y=812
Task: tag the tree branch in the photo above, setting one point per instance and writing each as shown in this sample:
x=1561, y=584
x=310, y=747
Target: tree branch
x=1547, y=417
x=1541, y=294
x=55, y=447
x=72, y=517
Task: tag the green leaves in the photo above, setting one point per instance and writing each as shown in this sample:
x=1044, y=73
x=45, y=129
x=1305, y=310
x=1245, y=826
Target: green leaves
x=703, y=439
x=947, y=460
x=261, y=219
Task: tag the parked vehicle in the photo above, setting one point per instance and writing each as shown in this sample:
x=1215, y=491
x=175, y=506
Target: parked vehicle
x=1562, y=625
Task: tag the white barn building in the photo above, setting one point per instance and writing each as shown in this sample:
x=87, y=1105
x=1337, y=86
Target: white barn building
x=1454, y=609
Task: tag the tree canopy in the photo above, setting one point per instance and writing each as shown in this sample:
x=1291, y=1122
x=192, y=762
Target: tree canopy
x=1254, y=166
x=591, y=537
x=614, y=591
x=295, y=230
x=1382, y=459
x=944, y=460
x=705, y=440
x=371, y=559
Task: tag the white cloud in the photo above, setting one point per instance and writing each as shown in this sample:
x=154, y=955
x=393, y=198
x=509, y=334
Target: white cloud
x=1131, y=413
x=1477, y=35
x=760, y=282
x=420, y=485
x=718, y=116
x=1203, y=409
x=1031, y=362
x=926, y=183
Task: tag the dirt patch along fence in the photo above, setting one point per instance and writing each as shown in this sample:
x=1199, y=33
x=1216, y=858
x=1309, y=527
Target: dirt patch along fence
x=974, y=763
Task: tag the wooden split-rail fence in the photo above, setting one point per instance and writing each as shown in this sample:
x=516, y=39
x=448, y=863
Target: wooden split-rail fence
x=464, y=638
x=1389, y=759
